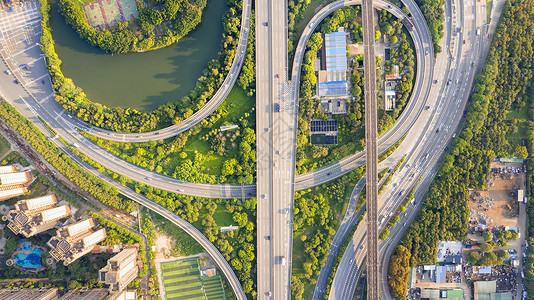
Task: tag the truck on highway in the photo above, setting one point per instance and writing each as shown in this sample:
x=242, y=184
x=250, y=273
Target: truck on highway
x=283, y=260
x=408, y=23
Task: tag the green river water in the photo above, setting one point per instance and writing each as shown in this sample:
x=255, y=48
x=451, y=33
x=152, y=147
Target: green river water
x=141, y=81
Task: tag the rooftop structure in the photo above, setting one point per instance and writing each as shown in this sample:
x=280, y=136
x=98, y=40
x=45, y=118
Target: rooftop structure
x=74, y=230
x=15, y=178
x=483, y=289
x=323, y=132
x=12, y=191
x=124, y=295
x=36, y=204
x=336, y=50
x=29, y=294
x=7, y=169
x=70, y=248
x=120, y=270
x=395, y=75
x=390, y=98
x=511, y=160
x=86, y=294
x=333, y=81
x=34, y=216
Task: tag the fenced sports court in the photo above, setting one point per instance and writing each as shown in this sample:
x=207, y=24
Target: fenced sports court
x=108, y=13
x=182, y=280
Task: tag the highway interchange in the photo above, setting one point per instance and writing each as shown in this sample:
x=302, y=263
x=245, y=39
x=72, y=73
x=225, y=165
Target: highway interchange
x=276, y=139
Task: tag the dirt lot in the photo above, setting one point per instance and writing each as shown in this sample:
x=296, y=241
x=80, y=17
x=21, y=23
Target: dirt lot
x=498, y=205
x=163, y=245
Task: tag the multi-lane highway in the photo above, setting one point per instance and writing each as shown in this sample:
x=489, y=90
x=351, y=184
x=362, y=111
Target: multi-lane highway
x=276, y=121
x=425, y=146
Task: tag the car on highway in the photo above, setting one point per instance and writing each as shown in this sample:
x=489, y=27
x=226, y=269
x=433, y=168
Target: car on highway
x=274, y=164
x=265, y=23
x=268, y=237
x=15, y=81
x=179, y=190
x=269, y=294
x=148, y=178
x=276, y=76
x=277, y=107
x=427, y=107
x=426, y=52
x=435, y=81
x=263, y=196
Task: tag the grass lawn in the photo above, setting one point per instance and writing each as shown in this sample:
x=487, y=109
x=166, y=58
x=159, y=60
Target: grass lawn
x=184, y=244
x=521, y=116
x=308, y=15
x=222, y=217
x=489, y=5
x=83, y=2
x=4, y=146
x=14, y=157
x=236, y=104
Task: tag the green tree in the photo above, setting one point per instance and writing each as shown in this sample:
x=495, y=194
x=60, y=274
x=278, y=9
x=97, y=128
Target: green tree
x=487, y=235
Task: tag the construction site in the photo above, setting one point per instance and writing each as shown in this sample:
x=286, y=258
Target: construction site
x=499, y=205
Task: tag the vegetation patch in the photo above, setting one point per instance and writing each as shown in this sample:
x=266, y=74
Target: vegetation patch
x=4, y=146
x=207, y=153
x=317, y=213
x=123, y=26
x=433, y=12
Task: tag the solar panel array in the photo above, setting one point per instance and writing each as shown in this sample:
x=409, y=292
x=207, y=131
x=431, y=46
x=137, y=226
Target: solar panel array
x=333, y=89
x=323, y=126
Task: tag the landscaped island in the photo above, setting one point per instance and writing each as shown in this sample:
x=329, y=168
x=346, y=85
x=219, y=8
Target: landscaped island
x=121, y=26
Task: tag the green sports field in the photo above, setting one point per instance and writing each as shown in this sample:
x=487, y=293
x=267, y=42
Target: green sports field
x=182, y=280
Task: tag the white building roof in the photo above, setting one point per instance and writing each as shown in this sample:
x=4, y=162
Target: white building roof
x=41, y=202
x=7, y=169
x=79, y=227
x=94, y=238
x=126, y=268
x=12, y=192
x=14, y=178
x=55, y=213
